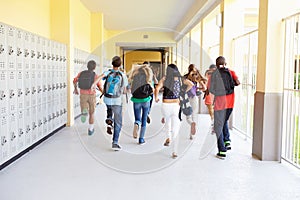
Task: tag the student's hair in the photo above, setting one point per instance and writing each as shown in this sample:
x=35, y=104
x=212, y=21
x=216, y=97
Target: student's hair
x=116, y=61
x=91, y=65
x=172, y=71
x=212, y=66
x=220, y=61
x=146, y=63
x=143, y=69
x=192, y=67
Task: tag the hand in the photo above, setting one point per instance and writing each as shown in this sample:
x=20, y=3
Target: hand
x=156, y=100
x=93, y=87
x=76, y=91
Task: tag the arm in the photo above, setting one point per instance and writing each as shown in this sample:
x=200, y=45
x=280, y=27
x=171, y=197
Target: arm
x=202, y=86
x=189, y=84
x=157, y=88
x=75, y=80
x=97, y=80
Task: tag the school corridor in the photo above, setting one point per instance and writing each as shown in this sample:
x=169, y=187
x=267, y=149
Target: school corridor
x=45, y=150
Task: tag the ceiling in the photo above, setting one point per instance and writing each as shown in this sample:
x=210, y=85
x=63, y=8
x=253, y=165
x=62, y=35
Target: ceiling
x=139, y=14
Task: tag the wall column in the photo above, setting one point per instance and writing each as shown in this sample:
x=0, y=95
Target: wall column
x=97, y=37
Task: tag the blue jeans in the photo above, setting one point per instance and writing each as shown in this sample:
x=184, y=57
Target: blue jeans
x=141, y=111
x=116, y=117
x=221, y=127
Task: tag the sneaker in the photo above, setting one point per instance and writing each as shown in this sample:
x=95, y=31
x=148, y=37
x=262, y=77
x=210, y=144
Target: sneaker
x=109, y=122
x=193, y=128
x=191, y=137
x=227, y=145
x=141, y=141
x=84, y=114
x=109, y=129
x=174, y=155
x=167, y=142
x=221, y=154
x=91, y=132
x=148, y=119
x=135, y=131
x=116, y=147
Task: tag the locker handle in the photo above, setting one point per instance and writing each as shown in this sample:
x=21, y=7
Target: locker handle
x=44, y=88
x=21, y=132
x=48, y=56
x=33, y=125
x=11, y=94
x=1, y=49
x=27, y=91
x=19, y=52
x=60, y=58
x=38, y=55
x=53, y=57
x=44, y=55
x=10, y=50
x=32, y=54
x=27, y=129
x=26, y=53
x=2, y=95
x=13, y=136
x=57, y=85
x=40, y=123
x=20, y=92
x=45, y=120
x=57, y=57
x=3, y=140
x=64, y=59
x=33, y=90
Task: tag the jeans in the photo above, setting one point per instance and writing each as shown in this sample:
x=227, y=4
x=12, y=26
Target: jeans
x=141, y=111
x=194, y=103
x=109, y=113
x=221, y=127
x=116, y=111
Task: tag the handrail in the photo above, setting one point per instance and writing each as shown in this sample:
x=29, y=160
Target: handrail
x=286, y=18
x=245, y=34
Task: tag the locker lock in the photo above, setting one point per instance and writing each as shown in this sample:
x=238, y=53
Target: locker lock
x=20, y=132
x=57, y=85
x=45, y=120
x=3, y=140
x=40, y=123
x=27, y=129
x=39, y=89
x=13, y=136
x=61, y=112
x=64, y=59
x=11, y=94
x=65, y=110
x=33, y=90
x=32, y=54
x=48, y=56
x=2, y=96
x=61, y=85
x=19, y=92
x=53, y=57
x=33, y=125
x=1, y=48
x=65, y=85
x=49, y=87
x=10, y=50
x=38, y=55
x=53, y=86
x=27, y=91
x=44, y=88
x=26, y=53
x=49, y=118
x=19, y=52
x=57, y=58
x=44, y=55
x=60, y=58
x=57, y=114
x=53, y=115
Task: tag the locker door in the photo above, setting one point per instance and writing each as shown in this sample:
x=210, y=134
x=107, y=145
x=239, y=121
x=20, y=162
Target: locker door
x=21, y=131
x=33, y=88
x=4, y=139
x=49, y=83
x=12, y=91
x=3, y=93
x=13, y=134
x=33, y=54
x=3, y=50
x=11, y=47
x=39, y=121
x=44, y=87
x=28, y=128
x=50, y=117
x=26, y=55
x=45, y=119
x=39, y=87
x=20, y=90
x=27, y=91
x=57, y=113
x=34, y=124
x=20, y=49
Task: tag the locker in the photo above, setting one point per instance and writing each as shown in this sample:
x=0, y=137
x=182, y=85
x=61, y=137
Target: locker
x=13, y=134
x=32, y=64
x=50, y=117
x=4, y=139
x=11, y=47
x=39, y=47
x=12, y=91
x=39, y=87
x=20, y=90
x=45, y=119
x=28, y=127
x=20, y=49
x=3, y=50
x=34, y=124
x=39, y=122
x=33, y=43
x=44, y=87
x=21, y=131
x=3, y=93
x=27, y=91
x=33, y=88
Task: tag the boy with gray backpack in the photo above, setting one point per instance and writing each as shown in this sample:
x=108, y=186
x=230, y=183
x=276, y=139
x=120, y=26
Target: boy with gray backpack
x=115, y=85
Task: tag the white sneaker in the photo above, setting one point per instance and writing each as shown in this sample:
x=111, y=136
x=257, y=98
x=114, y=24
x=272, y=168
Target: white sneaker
x=135, y=131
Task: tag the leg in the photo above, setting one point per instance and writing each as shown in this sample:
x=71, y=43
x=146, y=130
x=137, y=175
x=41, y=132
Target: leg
x=137, y=108
x=219, y=118
x=194, y=104
x=226, y=130
x=84, y=105
x=92, y=106
x=109, y=119
x=166, y=116
x=175, y=124
x=117, y=112
x=145, y=111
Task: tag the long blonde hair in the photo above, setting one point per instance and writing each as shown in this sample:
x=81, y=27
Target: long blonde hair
x=146, y=69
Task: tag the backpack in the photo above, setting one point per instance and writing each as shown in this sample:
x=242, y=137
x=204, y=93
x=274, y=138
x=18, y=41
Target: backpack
x=140, y=88
x=185, y=106
x=114, y=86
x=86, y=79
x=221, y=82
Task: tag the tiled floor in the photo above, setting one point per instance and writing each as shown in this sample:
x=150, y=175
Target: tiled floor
x=70, y=166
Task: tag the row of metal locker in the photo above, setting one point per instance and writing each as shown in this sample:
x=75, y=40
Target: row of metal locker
x=33, y=89
x=80, y=64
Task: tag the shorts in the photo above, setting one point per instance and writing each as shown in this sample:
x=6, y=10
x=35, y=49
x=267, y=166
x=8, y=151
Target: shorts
x=88, y=101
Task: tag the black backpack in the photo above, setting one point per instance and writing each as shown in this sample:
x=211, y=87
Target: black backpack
x=221, y=82
x=140, y=88
x=86, y=79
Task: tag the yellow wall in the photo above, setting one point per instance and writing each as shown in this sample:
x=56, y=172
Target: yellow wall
x=138, y=57
x=29, y=15
x=81, y=19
